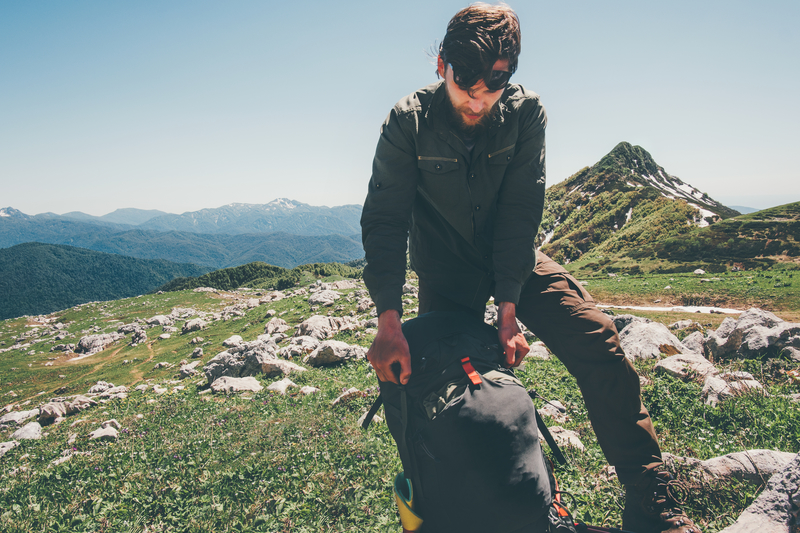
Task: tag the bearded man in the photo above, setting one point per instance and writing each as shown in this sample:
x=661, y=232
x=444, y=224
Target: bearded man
x=459, y=178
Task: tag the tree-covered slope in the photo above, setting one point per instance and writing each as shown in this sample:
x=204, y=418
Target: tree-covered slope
x=38, y=278
x=214, y=251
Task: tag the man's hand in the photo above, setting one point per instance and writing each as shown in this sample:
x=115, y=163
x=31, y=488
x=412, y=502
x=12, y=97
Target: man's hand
x=512, y=341
x=390, y=348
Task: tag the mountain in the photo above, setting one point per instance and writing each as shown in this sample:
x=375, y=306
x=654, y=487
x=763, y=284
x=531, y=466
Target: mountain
x=624, y=201
x=214, y=251
x=41, y=278
x=744, y=210
x=281, y=215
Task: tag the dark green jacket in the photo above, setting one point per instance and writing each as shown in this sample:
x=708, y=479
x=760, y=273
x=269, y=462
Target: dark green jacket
x=472, y=219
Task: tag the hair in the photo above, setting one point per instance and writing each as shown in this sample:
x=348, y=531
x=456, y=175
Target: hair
x=479, y=35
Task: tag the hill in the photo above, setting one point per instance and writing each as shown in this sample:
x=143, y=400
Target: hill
x=186, y=458
x=213, y=251
x=623, y=202
x=41, y=278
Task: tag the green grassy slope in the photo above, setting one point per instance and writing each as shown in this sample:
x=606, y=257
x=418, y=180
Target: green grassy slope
x=187, y=461
x=41, y=278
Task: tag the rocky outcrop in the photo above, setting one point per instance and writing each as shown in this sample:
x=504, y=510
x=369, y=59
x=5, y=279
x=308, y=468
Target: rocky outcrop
x=229, y=385
x=324, y=298
x=754, y=466
x=648, y=340
x=332, y=352
x=249, y=359
x=92, y=344
x=776, y=508
x=754, y=332
x=322, y=327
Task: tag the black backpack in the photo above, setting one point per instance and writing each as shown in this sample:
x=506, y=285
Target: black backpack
x=466, y=430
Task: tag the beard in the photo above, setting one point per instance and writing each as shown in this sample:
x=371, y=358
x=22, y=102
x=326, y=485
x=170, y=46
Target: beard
x=456, y=117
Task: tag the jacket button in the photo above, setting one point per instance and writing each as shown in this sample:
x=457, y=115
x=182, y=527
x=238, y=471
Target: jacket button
x=508, y=158
x=438, y=166
x=477, y=208
x=486, y=257
x=377, y=185
x=472, y=176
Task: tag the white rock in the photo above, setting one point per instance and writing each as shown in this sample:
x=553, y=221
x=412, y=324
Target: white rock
x=17, y=417
x=685, y=366
x=30, y=431
x=233, y=340
x=281, y=386
x=649, y=341
x=105, y=433
x=773, y=510
x=158, y=389
x=307, y=389
x=230, y=384
x=324, y=297
x=538, y=351
x=346, y=396
x=565, y=438
x=7, y=446
x=276, y=325
x=376, y=419
x=332, y=352
x=111, y=423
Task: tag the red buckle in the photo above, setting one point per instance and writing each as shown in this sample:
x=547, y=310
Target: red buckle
x=474, y=377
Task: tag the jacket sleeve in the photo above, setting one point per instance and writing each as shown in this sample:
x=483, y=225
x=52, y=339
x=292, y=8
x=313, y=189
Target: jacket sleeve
x=519, y=206
x=386, y=217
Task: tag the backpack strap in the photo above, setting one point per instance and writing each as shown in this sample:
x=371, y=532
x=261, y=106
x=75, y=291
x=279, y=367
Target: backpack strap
x=550, y=440
x=372, y=411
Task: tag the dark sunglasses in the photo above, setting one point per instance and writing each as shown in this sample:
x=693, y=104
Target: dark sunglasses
x=466, y=79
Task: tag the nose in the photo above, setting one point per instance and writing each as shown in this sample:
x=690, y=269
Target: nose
x=476, y=105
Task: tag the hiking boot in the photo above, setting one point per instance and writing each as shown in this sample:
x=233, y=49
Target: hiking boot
x=655, y=508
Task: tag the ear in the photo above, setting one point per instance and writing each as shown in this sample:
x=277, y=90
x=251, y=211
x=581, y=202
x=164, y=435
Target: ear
x=440, y=67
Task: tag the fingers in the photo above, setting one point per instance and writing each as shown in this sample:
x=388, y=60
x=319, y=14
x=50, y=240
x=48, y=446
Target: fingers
x=405, y=369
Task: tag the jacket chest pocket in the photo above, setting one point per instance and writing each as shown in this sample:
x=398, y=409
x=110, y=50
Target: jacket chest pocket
x=436, y=165
x=497, y=162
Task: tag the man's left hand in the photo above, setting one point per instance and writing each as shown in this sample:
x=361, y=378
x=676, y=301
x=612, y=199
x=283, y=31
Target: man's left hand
x=512, y=341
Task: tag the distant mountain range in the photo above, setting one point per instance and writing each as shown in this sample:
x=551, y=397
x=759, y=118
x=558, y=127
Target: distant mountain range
x=234, y=237
x=41, y=278
x=279, y=216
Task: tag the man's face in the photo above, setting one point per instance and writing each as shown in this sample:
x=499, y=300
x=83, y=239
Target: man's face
x=472, y=109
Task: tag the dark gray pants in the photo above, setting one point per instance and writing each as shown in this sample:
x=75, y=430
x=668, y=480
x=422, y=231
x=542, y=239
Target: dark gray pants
x=559, y=311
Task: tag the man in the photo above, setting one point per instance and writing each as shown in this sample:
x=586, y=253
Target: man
x=459, y=177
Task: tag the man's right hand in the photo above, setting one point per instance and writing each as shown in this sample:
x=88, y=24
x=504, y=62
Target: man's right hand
x=390, y=347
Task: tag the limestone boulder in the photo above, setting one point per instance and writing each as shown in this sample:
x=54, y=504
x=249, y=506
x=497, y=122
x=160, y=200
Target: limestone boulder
x=18, y=417
x=754, y=332
x=775, y=509
x=686, y=366
x=323, y=297
x=7, y=446
x=299, y=347
x=195, y=324
x=230, y=385
x=281, y=386
x=160, y=320
x=92, y=344
x=322, y=327
x=241, y=360
x=623, y=321
x=332, y=352
x=276, y=325
x=30, y=431
x=648, y=340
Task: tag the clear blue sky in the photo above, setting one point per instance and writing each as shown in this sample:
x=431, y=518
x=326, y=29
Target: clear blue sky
x=184, y=105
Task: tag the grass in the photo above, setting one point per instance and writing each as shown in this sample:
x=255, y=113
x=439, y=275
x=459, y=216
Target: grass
x=187, y=461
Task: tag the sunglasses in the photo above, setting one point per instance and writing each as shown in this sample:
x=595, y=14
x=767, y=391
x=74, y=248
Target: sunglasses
x=466, y=79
